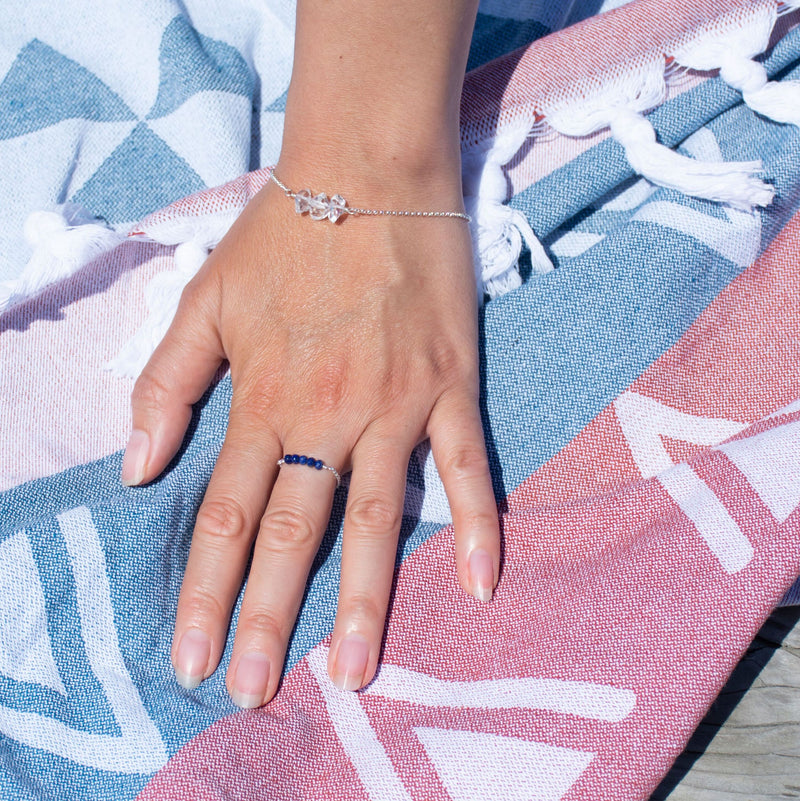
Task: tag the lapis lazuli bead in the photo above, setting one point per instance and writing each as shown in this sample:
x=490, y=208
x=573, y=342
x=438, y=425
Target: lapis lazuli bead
x=319, y=464
x=295, y=458
x=304, y=460
x=287, y=459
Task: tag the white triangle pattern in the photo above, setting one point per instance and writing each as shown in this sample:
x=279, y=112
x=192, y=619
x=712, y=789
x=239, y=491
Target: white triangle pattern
x=643, y=422
x=515, y=769
x=475, y=766
x=140, y=748
x=771, y=463
x=25, y=648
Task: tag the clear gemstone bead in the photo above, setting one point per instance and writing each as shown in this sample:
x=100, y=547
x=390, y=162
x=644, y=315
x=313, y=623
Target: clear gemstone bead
x=319, y=206
x=336, y=208
x=301, y=201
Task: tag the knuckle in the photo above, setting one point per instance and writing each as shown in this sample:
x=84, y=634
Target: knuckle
x=394, y=386
x=480, y=521
x=466, y=463
x=329, y=385
x=286, y=530
x=360, y=608
x=262, y=625
x=374, y=515
x=202, y=604
x=223, y=519
x=447, y=361
x=257, y=398
x=150, y=393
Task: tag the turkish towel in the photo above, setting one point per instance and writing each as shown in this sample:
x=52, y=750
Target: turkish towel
x=640, y=404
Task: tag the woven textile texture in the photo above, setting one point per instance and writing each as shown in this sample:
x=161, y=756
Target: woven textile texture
x=641, y=408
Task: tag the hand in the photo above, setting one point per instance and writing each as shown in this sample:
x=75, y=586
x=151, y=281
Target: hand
x=350, y=343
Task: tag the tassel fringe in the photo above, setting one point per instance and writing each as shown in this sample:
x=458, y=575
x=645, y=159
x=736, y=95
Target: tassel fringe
x=194, y=238
x=732, y=53
x=66, y=239
x=498, y=230
x=162, y=298
x=728, y=182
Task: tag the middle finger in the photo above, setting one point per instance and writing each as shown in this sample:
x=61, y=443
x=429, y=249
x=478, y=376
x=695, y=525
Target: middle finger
x=288, y=539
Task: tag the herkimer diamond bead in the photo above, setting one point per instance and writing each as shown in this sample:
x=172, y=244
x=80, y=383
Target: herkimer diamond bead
x=337, y=206
x=319, y=207
x=302, y=201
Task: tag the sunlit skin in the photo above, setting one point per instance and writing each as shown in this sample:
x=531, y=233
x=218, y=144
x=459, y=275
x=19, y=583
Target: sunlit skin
x=350, y=342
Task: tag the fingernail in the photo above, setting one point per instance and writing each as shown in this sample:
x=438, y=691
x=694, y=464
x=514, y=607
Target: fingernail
x=481, y=574
x=135, y=459
x=351, y=662
x=191, y=658
x=250, y=682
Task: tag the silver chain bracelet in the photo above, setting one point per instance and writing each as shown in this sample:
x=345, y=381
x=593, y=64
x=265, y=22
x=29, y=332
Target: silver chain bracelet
x=320, y=207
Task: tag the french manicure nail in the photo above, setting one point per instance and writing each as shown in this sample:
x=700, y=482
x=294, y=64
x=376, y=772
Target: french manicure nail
x=191, y=658
x=250, y=682
x=351, y=662
x=135, y=460
x=481, y=574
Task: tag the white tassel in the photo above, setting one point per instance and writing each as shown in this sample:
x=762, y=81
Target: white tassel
x=162, y=296
x=730, y=182
x=195, y=237
x=619, y=106
x=498, y=230
x=63, y=242
x=776, y=101
x=732, y=52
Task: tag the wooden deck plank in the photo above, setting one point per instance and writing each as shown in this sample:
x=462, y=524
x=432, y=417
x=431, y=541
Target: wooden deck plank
x=750, y=741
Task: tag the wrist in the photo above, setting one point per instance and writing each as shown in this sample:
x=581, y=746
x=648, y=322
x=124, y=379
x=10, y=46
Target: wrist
x=373, y=163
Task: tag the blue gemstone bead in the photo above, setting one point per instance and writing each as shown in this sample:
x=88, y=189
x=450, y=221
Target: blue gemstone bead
x=295, y=458
x=287, y=459
x=319, y=464
x=311, y=461
x=304, y=460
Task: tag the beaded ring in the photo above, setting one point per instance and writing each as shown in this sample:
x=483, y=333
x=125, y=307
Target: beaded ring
x=310, y=461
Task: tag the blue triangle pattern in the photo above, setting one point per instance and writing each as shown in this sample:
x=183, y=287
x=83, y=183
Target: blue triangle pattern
x=191, y=63
x=279, y=103
x=141, y=175
x=44, y=87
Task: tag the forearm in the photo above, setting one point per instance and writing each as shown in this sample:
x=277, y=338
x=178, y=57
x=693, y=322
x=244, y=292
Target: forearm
x=373, y=104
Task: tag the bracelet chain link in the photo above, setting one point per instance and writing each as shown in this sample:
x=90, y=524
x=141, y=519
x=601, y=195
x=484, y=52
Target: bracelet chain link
x=321, y=207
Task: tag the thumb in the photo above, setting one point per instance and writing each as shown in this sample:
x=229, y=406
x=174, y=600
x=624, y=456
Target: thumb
x=177, y=375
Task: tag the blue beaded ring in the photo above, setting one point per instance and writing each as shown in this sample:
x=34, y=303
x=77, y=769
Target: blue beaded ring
x=310, y=461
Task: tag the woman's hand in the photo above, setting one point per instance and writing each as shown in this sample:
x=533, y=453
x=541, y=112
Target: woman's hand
x=350, y=343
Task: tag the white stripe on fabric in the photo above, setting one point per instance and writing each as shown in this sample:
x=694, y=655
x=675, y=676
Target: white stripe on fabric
x=584, y=699
x=711, y=519
x=140, y=748
x=372, y=763
x=770, y=462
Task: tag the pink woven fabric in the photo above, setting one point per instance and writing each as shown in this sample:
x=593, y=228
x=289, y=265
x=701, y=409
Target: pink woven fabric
x=617, y=619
